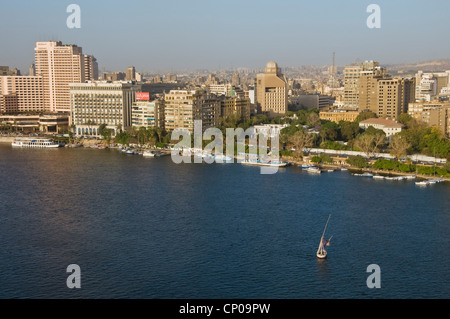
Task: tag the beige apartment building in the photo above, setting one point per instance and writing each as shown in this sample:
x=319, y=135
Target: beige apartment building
x=394, y=95
x=272, y=90
x=148, y=114
x=58, y=65
x=182, y=107
x=433, y=113
x=95, y=103
x=235, y=105
x=359, y=83
x=21, y=94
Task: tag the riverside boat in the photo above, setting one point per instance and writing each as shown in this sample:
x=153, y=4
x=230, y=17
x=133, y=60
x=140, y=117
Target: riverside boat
x=314, y=170
x=265, y=163
x=35, y=142
x=149, y=154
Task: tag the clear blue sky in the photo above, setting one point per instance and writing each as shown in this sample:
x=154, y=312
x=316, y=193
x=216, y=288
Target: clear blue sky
x=174, y=34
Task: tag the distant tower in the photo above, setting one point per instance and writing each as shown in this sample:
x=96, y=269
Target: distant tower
x=32, y=70
x=131, y=74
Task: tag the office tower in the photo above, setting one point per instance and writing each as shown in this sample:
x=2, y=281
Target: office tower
x=271, y=90
x=90, y=68
x=235, y=79
x=32, y=70
x=58, y=65
x=96, y=103
x=28, y=92
x=130, y=74
x=182, y=107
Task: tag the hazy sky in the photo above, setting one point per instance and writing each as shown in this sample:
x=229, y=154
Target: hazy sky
x=192, y=34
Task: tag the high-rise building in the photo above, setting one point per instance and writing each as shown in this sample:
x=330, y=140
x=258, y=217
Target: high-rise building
x=235, y=79
x=432, y=113
x=394, y=95
x=429, y=85
x=148, y=114
x=271, y=90
x=96, y=103
x=4, y=70
x=90, y=68
x=235, y=105
x=32, y=70
x=182, y=107
x=130, y=74
x=58, y=65
x=28, y=92
x=358, y=79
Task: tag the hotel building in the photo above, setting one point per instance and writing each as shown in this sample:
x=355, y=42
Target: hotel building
x=59, y=65
x=21, y=94
x=96, y=103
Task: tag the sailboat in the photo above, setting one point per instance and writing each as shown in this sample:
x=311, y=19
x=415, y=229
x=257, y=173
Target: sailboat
x=321, y=252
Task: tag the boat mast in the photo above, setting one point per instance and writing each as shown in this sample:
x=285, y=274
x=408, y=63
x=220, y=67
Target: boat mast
x=326, y=225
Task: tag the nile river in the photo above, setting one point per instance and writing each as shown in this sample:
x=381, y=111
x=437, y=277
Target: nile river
x=148, y=228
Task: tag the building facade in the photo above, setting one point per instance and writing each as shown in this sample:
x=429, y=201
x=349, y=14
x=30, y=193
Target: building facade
x=148, y=114
x=182, y=107
x=28, y=91
x=95, y=103
x=59, y=65
x=272, y=90
x=433, y=113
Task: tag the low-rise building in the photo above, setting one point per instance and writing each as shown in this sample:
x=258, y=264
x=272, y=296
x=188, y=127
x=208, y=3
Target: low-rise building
x=337, y=115
x=389, y=127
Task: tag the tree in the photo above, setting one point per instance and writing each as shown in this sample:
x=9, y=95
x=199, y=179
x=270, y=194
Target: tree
x=404, y=118
x=399, y=146
x=349, y=130
x=364, y=115
x=357, y=161
x=300, y=140
x=370, y=143
x=313, y=120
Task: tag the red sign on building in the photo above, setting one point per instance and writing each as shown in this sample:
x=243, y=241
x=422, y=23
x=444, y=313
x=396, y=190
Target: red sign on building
x=142, y=96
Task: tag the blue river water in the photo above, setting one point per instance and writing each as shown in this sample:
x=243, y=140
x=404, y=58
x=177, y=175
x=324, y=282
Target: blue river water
x=148, y=228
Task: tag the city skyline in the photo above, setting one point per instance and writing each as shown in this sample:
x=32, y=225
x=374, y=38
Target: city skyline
x=174, y=35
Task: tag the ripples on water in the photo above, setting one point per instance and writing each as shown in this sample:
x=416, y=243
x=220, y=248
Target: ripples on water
x=148, y=228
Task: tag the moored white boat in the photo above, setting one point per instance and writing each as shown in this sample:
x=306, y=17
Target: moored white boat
x=35, y=142
x=149, y=154
x=314, y=170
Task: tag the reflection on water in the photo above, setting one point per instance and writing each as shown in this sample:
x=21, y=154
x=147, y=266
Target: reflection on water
x=149, y=228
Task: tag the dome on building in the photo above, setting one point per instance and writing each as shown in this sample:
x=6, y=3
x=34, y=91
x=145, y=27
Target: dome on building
x=272, y=64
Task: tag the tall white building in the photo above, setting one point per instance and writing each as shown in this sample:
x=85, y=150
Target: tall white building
x=58, y=65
